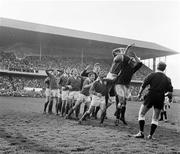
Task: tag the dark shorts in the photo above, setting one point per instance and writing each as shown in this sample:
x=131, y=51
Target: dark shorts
x=155, y=100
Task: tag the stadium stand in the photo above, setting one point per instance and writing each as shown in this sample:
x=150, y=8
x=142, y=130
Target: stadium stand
x=18, y=85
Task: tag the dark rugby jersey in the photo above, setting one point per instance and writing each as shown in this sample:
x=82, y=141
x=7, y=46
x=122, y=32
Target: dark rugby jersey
x=127, y=73
x=63, y=80
x=159, y=83
x=75, y=83
x=98, y=87
x=47, y=82
x=118, y=63
x=84, y=90
x=85, y=73
x=53, y=81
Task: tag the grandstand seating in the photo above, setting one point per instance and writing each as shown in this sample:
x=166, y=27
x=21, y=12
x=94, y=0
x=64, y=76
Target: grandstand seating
x=33, y=64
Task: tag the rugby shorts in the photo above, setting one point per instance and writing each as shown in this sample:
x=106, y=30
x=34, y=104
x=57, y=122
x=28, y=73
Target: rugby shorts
x=83, y=98
x=48, y=92
x=54, y=92
x=73, y=95
x=65, y=94
x=111, y=76
x=122, y=90
x=97, y=101
x=59, y=93
x=154, y=99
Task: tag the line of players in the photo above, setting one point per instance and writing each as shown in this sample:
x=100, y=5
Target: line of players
x=68, y=90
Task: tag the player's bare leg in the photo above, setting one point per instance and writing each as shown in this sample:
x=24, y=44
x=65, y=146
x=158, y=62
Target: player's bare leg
x=90, y=110
x=154, y=123
x=46, y=104
x=142, y=112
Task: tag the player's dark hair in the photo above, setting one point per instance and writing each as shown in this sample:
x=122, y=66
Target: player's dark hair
x=161, y=66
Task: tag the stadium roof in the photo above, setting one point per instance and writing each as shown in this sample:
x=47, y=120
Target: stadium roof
x=67, y=42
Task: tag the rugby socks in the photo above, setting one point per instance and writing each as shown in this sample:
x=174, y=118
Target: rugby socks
x=78, y=111
x=161, y=116
x=153, y=128
x=56, y=108
x=122, y=118
x=60, y=105
x=85, y=108
x=123, y=110
x=70, y=112
x=103, y=115
x=45, y=105
x=84, y=116
x=165, y=115
x=63, y=108
x=141, y=125
x=96, y=111
x=67, y=108
x=118, y=111
x=50, y=107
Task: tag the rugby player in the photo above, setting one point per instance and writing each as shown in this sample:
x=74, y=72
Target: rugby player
x=159, y=85
x=98, y=91
x=96, y=70
x=124, y=65
x=83, y=97
x=59, y=104
x=52, y=74
x=167, y=101
x=47, y=93
x=74, y=86
x=65, y=91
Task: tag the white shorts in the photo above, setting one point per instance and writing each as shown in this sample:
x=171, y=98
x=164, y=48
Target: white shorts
x=73, y=95
x=48, y=92
x=112, y=100
x=97, y=101
x=122, y=91
x=59, y=93
x=65, y=95
x=111, y=76
x=54, y=93
x=83, y=98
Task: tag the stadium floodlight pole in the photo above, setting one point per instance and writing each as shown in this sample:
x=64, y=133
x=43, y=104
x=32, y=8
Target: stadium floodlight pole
x=82, y=57
x=40, y=48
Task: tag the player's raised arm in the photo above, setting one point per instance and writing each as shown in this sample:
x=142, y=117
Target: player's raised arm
x=128, y=47
x=48, y=72
x=85, y=72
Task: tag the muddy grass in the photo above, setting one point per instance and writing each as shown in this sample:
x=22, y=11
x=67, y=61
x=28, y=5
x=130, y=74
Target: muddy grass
x=24, y=129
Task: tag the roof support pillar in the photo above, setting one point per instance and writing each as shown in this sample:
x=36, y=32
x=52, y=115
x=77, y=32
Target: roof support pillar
x=154, y=64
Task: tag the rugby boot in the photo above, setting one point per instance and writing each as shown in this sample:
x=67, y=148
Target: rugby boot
x=150, y=137
x=103, y=115
x=116, y=122
x=139, y=135
x=50, y=107
x=69, y=114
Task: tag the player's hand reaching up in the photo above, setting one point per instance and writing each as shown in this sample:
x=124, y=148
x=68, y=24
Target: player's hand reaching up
x=140, y=97
x=87, y=67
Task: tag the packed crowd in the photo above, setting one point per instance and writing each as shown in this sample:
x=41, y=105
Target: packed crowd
x=12, y=84
x=33, y=64
x=9, y=61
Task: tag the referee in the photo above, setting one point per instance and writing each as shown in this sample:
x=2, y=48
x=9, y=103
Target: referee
x=159, y=84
